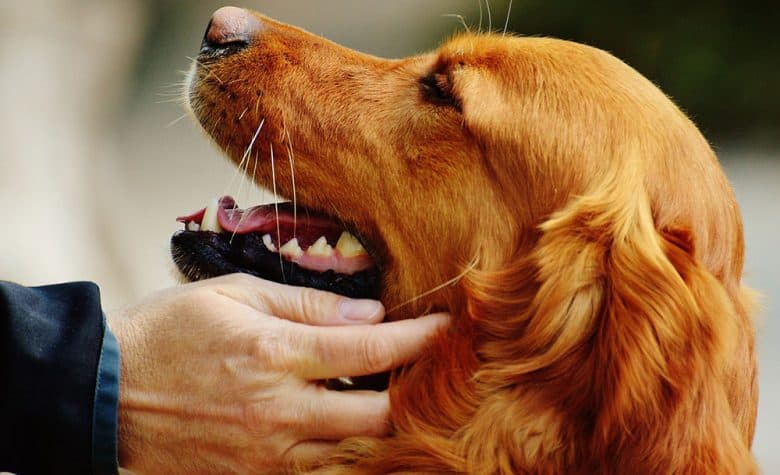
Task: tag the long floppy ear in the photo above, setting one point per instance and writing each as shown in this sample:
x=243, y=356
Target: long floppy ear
x=605, y=349
x=662, y=335
x=627, y=338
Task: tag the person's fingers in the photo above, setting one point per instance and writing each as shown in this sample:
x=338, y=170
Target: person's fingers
x=301, y=304
x=335, y=415
x=307, y=453
x=321, y=353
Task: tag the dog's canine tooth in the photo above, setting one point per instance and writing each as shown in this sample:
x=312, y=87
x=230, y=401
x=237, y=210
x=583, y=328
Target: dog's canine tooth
x=193, y=226
x=210, y=221
x=291, y=249
x=320, y=248
x=269, y=243
x=349, y=246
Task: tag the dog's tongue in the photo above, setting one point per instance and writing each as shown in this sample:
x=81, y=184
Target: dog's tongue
x=307, y=226
x=311, y=240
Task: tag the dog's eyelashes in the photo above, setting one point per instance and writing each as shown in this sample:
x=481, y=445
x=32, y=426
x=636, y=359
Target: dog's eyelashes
x=437, y=89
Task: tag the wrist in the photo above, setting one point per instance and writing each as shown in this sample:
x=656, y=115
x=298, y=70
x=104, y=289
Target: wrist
x=105, y=407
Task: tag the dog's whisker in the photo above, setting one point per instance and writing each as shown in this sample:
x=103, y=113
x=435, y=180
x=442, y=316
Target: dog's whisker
x=240, y=193
x=176, y=120
x=208, y=70
x=480, y=15
x=174, y=85
x=173, y=100
x=291, y=158
x=489, y=16
x=236, y=181
x=276, y=211
x=254, y=171
x=213, y=127
x=232, y=183
x=171, y=93
x=171, y=89
x=241, y=116
x=246, y=154
x=439, y=287
x=244, y=172
x=459, y=17
x=508, y=14
x=337, y=215
x=259, y=195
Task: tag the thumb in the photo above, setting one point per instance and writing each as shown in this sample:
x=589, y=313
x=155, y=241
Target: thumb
x=301, y=304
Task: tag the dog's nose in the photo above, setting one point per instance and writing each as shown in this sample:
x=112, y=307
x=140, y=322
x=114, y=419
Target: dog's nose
x=229, y=30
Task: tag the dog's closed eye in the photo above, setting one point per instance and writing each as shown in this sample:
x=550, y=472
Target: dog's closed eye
x=437, y=89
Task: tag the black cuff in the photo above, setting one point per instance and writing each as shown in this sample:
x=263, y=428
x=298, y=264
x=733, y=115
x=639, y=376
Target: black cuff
x=50, y=343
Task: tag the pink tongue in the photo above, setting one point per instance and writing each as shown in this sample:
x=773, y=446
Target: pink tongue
x=306, y=226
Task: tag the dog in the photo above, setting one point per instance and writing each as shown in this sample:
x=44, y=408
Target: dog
x=572, y=219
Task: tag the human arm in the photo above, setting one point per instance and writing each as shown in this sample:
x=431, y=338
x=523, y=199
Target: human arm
x=51, y=344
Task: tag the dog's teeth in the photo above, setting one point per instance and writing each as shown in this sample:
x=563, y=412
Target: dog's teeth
x=349, y=246
x=210, y=221
x=346, y=381
x=320, y=248
x=291, y=249
x=269, y=243
x=193, y=226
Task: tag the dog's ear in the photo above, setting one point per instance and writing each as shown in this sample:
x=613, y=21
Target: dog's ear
x=621, y=328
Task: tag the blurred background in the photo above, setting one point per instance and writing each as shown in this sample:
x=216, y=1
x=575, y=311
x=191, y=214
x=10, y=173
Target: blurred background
x=97, y=160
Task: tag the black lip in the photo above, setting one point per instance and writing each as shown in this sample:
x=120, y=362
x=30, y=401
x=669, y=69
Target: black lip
x=205, y=254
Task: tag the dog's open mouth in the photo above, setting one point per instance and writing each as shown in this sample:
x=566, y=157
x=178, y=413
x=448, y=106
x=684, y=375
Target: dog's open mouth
x=275, y=242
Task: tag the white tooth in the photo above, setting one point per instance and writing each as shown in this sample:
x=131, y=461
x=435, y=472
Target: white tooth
x=320, y=248
x=349, y=246
x=269, y=243
x=193, y=226
x=346, y=381
x=291, y=249
x=210, y=221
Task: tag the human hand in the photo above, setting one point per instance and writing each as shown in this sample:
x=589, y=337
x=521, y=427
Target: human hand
x=220, y=376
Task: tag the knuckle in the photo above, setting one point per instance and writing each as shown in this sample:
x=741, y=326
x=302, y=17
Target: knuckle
x=238, y=279
x=200, y=297
x=316, y=419
x=376, y=423
x=232, y=285
x=271, y=350
x=309, y=304
x=324, y=350
x=375, y=353
x=265, y=418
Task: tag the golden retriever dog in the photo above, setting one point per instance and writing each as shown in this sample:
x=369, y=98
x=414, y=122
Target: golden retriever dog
x=572, y=219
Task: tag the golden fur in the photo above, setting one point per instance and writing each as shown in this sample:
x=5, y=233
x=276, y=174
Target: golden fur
x=600, y=326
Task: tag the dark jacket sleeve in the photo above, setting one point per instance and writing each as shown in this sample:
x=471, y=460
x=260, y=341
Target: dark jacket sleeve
x=50, y=352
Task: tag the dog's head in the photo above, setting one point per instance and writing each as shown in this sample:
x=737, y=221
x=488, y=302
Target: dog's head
x=454, y=158
x=583, y=221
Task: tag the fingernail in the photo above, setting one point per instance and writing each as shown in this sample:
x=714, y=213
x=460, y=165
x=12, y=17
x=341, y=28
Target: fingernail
x=359, y=310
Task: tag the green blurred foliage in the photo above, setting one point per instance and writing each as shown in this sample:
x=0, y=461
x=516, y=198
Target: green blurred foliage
x=719, y=59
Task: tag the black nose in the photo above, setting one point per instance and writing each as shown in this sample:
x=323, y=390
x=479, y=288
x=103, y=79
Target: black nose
x=230, y=29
